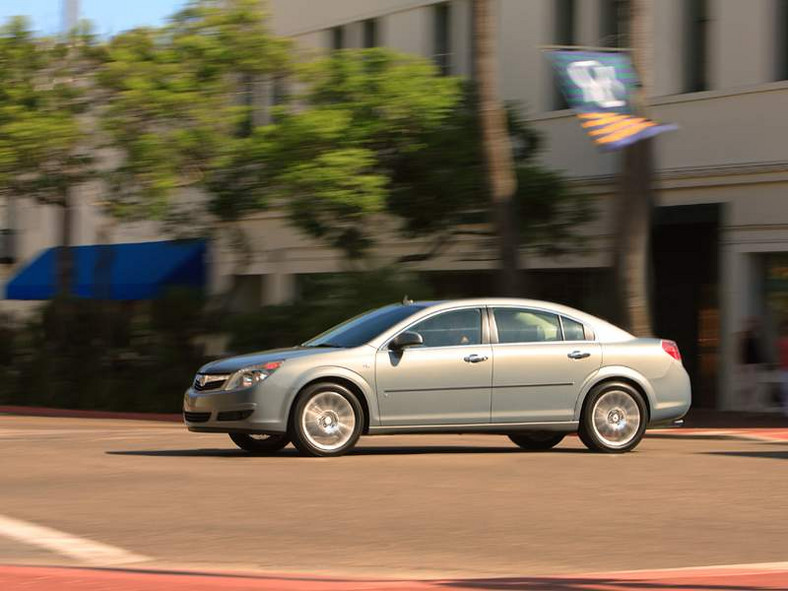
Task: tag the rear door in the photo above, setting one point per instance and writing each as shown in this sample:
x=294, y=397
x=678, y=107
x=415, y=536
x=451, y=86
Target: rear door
x=541, y=360
x=446, y=381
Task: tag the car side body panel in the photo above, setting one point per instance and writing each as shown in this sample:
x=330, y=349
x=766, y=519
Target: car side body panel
x=539, y=381
x=614, y=354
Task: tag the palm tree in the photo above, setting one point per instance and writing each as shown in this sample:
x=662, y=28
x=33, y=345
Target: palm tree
x=635, y=197
x=497, y=146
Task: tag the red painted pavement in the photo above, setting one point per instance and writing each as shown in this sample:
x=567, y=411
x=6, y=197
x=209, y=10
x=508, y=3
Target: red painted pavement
x=758, y=434
x=755, y=578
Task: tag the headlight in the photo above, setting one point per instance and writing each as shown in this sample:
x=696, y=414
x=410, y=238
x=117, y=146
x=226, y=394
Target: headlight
x=249, y=376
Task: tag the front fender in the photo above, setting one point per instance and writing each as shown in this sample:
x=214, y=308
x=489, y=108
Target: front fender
x=613, y=372
x=332, y=371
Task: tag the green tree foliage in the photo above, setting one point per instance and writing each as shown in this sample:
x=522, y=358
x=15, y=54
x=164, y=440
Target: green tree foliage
x=46, y=144
x=384, y=132
x=329, y=159
x=178, y=101
x=44, y=90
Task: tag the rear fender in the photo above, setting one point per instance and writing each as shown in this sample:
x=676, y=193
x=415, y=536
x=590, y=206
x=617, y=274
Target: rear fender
x=612, y=372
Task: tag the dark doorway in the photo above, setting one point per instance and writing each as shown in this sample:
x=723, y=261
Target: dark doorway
x=685, y=290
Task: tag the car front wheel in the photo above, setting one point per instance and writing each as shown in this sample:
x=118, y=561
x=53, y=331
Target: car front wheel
x=614, y=418
x=260, y=443
x=541, y=440
x=327, y=420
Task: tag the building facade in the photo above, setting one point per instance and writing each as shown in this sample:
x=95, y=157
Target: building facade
x=720, y=71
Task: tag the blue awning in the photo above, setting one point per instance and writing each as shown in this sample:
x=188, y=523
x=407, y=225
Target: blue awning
x=140, y=271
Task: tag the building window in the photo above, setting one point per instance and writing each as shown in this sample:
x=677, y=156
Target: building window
x=614, y=22
x=279, y=91
x=370, y=33
x=563, y=34
x=781, y=40
x=337, y=38
x=442, y=48
x=696, y=42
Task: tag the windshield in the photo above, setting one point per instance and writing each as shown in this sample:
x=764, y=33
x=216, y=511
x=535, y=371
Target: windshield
x=362, y=329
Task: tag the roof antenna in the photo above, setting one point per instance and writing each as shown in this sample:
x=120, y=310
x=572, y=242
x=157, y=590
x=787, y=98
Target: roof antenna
x=406, y=301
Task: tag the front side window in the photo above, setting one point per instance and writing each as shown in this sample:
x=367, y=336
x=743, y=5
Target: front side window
x=451, y=329
x=363, y=328
x=520, y=325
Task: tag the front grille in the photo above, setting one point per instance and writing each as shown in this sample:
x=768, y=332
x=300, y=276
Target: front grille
x=207, y=382
x=196, y=417
x=234, y=415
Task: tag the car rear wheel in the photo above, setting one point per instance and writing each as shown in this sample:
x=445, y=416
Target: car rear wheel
x=614, y=418
x=260, y=443
x=538, y=440
x=327, y=420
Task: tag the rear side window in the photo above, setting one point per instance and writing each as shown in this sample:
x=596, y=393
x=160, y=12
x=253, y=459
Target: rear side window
x=520, y=325
x=451, y=329
x=573, y=331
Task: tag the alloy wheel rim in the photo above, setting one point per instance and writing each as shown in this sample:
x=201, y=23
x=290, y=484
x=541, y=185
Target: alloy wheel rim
x=616, y=418
x=328, y=421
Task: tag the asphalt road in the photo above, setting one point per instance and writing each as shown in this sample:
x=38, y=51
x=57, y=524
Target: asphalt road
x=408, y=506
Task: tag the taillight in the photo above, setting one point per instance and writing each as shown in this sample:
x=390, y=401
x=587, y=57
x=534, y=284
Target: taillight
x=672, y=349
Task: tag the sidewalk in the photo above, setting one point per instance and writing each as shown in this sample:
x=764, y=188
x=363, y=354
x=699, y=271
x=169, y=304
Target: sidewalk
x=39, y=411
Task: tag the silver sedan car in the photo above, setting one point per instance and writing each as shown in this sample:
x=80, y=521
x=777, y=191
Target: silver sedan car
x=531, y=370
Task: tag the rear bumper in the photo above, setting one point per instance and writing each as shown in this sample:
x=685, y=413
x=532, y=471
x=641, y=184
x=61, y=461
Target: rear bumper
x=240, y=411
x=673, y=396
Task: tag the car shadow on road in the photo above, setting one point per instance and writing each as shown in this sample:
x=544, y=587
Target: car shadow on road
x=769, y=455
x=360, y=451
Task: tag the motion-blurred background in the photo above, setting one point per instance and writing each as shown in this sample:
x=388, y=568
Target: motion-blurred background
x=183, y=180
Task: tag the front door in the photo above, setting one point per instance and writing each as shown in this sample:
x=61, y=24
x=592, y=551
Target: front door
x=541, y=362
x=446, y=381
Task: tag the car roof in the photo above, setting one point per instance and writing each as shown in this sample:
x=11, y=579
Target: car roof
x=604, y=330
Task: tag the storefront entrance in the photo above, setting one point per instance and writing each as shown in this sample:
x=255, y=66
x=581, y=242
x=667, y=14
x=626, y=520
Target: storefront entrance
x=685, y=290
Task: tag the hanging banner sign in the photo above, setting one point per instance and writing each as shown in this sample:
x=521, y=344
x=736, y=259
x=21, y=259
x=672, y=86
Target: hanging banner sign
x=599, y=87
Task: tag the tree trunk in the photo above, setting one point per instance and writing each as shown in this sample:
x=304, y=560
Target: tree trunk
x=635, y=193
x=65, y=258
x=633, y=238
x=497, y=147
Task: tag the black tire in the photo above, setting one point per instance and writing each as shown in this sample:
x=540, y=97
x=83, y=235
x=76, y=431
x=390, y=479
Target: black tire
x=260, y=443
x=590, y=433
x=309, y=397
x=537, y=440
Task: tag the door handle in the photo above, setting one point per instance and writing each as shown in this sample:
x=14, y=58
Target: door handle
x=578, y=355
x=475, y=358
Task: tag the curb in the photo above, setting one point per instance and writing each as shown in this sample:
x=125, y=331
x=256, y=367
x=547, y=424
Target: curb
x=39, y=411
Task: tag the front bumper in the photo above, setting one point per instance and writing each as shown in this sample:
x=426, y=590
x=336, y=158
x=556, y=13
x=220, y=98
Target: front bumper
x=239, y=411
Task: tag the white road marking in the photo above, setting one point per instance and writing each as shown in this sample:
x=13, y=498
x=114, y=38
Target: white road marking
x=85, y=551
x=733, y=569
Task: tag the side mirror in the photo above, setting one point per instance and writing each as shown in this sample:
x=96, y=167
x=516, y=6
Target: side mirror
x=404, y=340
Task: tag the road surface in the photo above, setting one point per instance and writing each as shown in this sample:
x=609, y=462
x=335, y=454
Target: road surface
x=151, y=496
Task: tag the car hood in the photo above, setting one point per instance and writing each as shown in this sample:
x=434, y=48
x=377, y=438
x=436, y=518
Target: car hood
x=233, y=364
